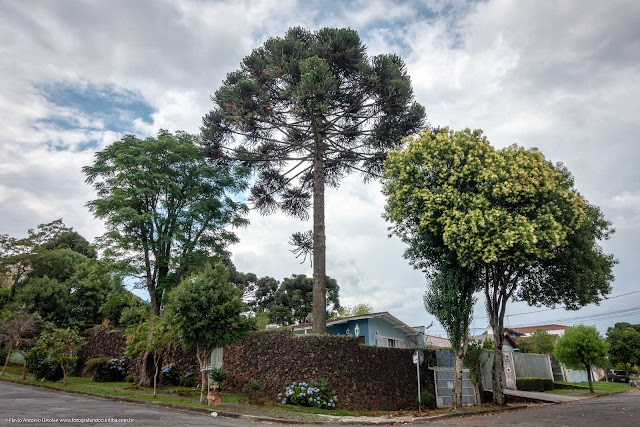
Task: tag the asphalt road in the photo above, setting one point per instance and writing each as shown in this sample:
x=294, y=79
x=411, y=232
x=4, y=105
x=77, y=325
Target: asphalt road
x=18, y=402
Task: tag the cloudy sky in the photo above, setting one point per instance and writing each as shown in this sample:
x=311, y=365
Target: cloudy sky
x=561, y=76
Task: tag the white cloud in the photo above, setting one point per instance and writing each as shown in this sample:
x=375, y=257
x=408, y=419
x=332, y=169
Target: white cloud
x=564, y=78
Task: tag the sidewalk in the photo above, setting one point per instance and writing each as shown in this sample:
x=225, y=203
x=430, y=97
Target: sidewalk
x=546, y=397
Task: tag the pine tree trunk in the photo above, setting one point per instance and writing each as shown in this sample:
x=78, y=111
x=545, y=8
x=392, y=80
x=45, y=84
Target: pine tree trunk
x=319, y=311
x=588, y=368
x=6, y=361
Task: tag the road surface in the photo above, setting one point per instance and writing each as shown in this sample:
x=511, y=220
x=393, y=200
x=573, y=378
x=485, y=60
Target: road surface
x=18, y=402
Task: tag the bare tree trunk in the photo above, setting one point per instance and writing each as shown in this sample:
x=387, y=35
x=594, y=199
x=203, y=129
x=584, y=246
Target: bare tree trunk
x=456, y=396
x=319, y=325
x=155, y=375
x=24, y=366
x=64, y=373
x=588, y=368
x=496, y=371
x=6, y=361
x=202, y=376
x=143, y=375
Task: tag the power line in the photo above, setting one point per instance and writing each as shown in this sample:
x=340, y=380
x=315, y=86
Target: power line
x=559, y=308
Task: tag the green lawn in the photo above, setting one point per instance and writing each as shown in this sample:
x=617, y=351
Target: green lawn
x=231, y=402
x=598, y=386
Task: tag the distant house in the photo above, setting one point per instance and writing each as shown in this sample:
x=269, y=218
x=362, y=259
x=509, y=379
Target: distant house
x=375, y=329
x=553, y=329
x=510, y=337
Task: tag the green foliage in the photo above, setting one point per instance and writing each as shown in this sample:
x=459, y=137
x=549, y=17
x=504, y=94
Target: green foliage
x=122, y=307
x=473, y=361
x=219, y=376
x=47, y=297
x=92, y=364
x=170, y=374
x=206, y=311
x=449, y=299
x=356, y=310
x=112, y=370
x=624, y=344
x=540, y=342
x=254, y=385
x=293, y=301
x=509, y=214
x=61, y=345
x=304, y=394
x=129, y=378
x=160, y=193
x=581, y=346
x=427, y=400
x=187, y=380
x=71, y=240
x=534, y=384
x=42, y=366
x=262, y=320
x=58, y=264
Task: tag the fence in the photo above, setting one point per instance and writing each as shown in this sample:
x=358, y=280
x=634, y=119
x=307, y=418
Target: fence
x=517, y=365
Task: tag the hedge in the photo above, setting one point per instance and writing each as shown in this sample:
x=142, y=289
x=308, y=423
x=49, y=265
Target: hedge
x=534, y=384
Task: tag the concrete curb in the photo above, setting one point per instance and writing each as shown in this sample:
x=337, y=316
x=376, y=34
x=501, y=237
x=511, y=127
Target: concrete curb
x=256, y=418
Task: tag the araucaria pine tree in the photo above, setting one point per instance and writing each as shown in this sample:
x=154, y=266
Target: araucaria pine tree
x=305, y=110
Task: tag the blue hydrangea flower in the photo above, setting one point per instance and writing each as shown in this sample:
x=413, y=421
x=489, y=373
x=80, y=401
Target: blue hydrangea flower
x=284, y=401
x=279, y=394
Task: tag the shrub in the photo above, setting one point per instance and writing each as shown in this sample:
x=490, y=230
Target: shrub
x=43, y=367
x=254, y=385
x=534, y=384
x=129, y=378
x=219, y=376
x=427, y=400
x=187, y=380
x=111, y=371
x=3, y=355
x=91, y=365
x=303, y=394
x=170, y=375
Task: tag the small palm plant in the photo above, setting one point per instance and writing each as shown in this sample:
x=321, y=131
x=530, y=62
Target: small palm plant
x=218, y=376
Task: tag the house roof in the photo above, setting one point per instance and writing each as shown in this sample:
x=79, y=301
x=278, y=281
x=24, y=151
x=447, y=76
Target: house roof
x=532, y=329
x=408, y=330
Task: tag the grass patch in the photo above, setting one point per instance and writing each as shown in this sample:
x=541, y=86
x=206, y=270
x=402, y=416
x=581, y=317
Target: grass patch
x=599, y=387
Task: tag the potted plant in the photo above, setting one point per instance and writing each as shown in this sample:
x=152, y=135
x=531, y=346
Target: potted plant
x=218, y=376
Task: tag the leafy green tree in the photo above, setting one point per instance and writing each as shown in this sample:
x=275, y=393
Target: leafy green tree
x=89, y=286
x=206, y=311
x=71, y=240
x=47, y=297
x=624, y=344
x=293, y=301
x=166, y=209
x=16, y=253
x=540, y=342
x=61, y=345
x=258, y=292
x=122, y=307
x=305, y=110
x=58, y=264
x=356, y=310
x=508, y=213
x=18, y=329
x=449, y=299
x=582, y=347
x=162, y=335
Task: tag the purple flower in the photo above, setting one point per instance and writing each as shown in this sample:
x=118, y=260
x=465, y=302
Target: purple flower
x=284, y=401
x=279, y=394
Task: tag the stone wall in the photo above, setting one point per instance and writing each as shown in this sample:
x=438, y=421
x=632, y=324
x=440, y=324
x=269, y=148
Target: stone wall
x=101, y=342
x=363, y=377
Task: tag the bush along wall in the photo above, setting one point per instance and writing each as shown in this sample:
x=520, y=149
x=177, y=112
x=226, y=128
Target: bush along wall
x=363, y=377
x=534, y=384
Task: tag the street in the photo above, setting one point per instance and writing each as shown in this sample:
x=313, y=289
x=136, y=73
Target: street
x=19, y=402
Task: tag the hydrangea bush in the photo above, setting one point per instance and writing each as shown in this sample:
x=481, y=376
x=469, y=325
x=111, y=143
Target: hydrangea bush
x=170, y=375
x=317, y=395
x=112, y=370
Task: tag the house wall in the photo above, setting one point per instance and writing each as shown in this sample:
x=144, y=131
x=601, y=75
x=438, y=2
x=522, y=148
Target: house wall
x=363, y=377
x=341, y=329
x=387, y=331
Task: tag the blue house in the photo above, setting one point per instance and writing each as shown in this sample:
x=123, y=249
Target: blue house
x=375, y=329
